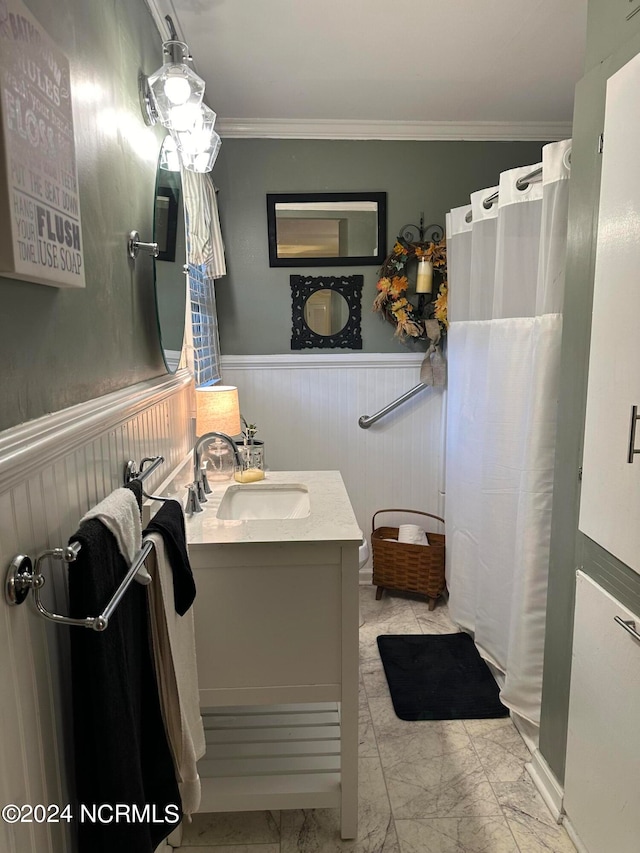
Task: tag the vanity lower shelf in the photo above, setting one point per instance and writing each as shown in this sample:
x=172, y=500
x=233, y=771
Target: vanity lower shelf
x=271, y=757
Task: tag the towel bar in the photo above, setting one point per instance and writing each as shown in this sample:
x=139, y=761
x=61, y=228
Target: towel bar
x=22, y=576
x=133, y=473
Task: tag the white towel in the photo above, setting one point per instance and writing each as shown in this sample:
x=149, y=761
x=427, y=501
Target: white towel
x=174, y=653
x=119, y=512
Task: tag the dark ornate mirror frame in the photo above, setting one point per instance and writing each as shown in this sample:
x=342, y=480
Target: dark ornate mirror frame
x=350, y=287
x=341, y=260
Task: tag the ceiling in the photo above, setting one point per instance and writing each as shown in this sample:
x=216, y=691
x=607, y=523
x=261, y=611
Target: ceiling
x=487, y=69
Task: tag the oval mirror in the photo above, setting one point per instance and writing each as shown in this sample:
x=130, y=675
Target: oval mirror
x=169, y=266
x=326, y=312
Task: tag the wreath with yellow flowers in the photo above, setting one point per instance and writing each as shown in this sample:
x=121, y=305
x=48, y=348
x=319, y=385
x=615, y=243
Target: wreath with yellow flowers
x=393, y=282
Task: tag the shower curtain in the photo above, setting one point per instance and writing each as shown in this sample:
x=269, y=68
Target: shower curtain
x=506, y=283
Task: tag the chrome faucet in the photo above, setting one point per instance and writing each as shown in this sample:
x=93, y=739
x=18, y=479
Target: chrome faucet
x=199, y=489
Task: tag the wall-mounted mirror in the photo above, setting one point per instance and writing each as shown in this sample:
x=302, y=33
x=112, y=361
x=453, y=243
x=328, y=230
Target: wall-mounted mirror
x=326, y=311
x=170, y=278
x=326, y=229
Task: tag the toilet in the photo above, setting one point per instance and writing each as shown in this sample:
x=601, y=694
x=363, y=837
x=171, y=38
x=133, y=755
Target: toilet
x=363, y=556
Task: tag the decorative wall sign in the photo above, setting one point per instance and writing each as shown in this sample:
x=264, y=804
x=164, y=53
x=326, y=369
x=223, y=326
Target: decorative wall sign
x=38, y=176
x=326, y=311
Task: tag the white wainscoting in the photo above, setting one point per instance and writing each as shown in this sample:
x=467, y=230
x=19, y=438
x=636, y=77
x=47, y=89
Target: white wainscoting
x=307, y=407
x=51, y=471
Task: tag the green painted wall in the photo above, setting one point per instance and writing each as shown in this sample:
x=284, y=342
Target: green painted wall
x=609, y=24
x=569, y=548
x=254, y=300
x=61, y=347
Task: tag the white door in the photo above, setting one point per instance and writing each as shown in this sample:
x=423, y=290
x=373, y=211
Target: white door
x=610, y=497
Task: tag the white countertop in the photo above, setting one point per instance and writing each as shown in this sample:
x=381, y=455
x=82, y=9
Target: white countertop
x=331, y=517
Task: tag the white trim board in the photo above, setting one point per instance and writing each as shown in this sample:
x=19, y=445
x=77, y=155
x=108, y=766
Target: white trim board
x=479, y=131
x=548, y=786
x=378, y=360
x=23, y=448
x=573, y=835
x=61, y=465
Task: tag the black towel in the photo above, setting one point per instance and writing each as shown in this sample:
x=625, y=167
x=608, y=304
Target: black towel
x=121, y=750
x=136, y=487
x=169, y=522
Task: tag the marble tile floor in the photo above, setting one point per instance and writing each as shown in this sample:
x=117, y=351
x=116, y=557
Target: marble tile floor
x=425, y=787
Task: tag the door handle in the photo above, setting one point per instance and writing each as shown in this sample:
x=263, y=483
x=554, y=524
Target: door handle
x=628, y=625
x=632, y=434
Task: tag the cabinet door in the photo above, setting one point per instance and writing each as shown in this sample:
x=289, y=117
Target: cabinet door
x=610, y=496
x=601, y=795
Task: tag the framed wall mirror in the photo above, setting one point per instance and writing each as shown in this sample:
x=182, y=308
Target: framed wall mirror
x=326, y=229
x=326, y=311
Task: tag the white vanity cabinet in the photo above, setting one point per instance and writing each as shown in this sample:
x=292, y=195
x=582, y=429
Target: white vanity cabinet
x=610, y=493
x=602, y=796
x=276, y=618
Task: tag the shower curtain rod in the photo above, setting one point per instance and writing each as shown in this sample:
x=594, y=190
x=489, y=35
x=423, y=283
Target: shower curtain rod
x=521, y=184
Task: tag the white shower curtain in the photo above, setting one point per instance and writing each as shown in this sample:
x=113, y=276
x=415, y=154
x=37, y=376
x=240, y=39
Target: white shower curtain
x=506, y=283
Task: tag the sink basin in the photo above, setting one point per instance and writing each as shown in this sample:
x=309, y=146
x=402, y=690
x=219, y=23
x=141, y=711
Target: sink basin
x=264, y=500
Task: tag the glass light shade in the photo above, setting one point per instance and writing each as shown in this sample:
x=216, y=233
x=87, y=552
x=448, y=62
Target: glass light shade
x=169, y=157
x=203, y=161
x=218, y=410
x=200, y=136
x=184, y=117
x=176, y=86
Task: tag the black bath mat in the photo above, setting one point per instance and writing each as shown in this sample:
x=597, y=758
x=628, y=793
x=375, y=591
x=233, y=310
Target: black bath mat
x=439, y=677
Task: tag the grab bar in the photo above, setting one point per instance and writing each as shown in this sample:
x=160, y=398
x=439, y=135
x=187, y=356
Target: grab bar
x=367, y=420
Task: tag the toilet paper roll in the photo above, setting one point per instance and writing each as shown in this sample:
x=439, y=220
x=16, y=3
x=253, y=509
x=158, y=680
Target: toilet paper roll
x=411, y=534
x=408, y=532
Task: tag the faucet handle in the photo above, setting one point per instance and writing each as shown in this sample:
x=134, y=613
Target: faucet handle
x=200, y=490
x=203, y=477
x=193, y=502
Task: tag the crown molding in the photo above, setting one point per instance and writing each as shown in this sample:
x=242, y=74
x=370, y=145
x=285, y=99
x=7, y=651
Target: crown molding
x=497, y=131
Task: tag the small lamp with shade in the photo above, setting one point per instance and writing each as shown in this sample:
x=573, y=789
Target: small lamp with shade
x=217, y=419
x=217, y=410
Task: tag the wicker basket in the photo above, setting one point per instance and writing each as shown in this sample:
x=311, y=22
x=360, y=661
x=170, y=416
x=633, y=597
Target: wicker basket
x=410, y=568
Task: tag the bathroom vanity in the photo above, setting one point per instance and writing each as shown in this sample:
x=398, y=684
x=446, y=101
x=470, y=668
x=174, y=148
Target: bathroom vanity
x=276, y=618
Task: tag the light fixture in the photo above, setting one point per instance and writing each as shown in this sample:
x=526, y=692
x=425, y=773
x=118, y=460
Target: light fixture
x=173, y=96
x=217, y=420
x=199, y=135
x=218, y=410
x=169, y=157
x=176, y=90
x=202, y=161
x=200, y=144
